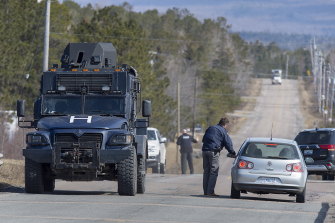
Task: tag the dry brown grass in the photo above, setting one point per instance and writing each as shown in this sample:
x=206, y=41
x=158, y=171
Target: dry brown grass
x=12, y=173
x=312, y=117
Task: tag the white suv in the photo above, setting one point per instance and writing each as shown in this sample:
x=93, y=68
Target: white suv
x=156, y=151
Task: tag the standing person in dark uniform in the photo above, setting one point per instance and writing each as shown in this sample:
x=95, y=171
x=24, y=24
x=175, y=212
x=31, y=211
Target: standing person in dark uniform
x=215, y=138
x=186, y=150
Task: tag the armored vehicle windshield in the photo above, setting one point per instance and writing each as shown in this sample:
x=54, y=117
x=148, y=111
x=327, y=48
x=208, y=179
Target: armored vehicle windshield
x=83, y=104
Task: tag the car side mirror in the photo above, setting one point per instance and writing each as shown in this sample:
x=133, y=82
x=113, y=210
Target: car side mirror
x=20, y=108
x=163, y=140
x=146, y=108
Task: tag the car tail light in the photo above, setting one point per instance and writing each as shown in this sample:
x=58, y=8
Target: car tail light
x=328, y=146
x=329, y=165
x=242, y=164
x=294, y=167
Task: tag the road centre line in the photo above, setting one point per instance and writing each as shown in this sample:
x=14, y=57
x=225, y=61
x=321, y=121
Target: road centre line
x=168, y=205
x=90, y=219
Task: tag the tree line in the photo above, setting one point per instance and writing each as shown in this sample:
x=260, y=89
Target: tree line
x=212, y=64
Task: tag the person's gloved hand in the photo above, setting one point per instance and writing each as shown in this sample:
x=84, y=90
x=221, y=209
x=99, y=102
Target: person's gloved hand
x=231, y=155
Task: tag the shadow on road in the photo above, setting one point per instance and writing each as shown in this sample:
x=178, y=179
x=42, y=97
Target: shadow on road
x=205, y=196
x=10, y=188
x=266, y=199
x=68, y=192
x=322, y=213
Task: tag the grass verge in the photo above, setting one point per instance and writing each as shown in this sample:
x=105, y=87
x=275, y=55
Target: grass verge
x=11, y=173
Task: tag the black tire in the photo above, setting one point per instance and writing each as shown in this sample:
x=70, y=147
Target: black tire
x=48, y=180
x=324, y=176
x=156, y=168
x=34, y=182
x=300, y=197
x=236, y=194
x=327, y=176
x=162, y=168
x=49, y=185
x=331, y=177
x=141, y=176
x=127, y=175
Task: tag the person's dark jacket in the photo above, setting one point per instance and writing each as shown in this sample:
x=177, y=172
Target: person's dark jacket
x=215, y=138
x=185, y=143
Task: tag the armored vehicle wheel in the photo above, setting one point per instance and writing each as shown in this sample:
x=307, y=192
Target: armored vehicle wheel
x=127, y=175
x=49, y=181
x=162, y=168
x=33, y=177
x=49, y=185
x=141, y=169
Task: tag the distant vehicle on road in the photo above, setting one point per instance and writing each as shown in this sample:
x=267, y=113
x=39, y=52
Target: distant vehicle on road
x=276, y=76
x=265, y=165
x=156, y=151
x=318, y=148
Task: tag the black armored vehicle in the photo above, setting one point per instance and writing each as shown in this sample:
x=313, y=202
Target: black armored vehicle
x=86, y=123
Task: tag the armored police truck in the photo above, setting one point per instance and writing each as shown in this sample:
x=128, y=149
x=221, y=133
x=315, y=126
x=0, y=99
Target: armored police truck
x=86, y=123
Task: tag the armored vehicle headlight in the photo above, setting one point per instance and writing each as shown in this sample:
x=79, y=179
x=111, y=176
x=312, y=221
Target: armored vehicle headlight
x=36, y=140
x=120, y=139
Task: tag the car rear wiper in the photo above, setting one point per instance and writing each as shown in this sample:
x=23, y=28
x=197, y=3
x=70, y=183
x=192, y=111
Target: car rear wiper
x=277, y=157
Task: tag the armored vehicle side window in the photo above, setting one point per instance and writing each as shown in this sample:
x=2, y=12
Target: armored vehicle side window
x=95, y=105
x=59, y=105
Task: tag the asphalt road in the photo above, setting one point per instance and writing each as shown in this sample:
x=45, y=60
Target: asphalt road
x=177, y=198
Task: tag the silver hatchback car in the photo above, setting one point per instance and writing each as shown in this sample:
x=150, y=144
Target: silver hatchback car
x=265, y=165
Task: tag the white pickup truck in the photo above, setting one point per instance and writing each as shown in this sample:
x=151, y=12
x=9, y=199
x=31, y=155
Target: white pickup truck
x=276, y=76
x=156, y=151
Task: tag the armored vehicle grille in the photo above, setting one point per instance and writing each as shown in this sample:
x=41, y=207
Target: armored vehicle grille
x=74, y=149
x=74, y=83
x=72, y=138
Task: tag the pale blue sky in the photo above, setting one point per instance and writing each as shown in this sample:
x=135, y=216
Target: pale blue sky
x=289, y=16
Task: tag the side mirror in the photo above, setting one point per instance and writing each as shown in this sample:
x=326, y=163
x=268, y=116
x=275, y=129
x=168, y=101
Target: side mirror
x=20, y=108
x=163, y=140
x=146, y=108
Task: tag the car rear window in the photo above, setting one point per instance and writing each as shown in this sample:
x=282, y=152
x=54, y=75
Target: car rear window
x=266, y=150
x=315, y=137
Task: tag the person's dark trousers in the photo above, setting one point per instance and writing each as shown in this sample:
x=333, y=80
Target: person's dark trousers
x=186, y=157
x=211, y=170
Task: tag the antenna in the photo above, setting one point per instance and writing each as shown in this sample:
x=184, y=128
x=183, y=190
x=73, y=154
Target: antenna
x=271, y=130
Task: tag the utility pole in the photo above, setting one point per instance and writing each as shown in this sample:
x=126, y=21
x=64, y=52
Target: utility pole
x=319, y=60
x=178, y=117
x=46, y=36
x=332, y=94
x=287, y=57
x=194, y=104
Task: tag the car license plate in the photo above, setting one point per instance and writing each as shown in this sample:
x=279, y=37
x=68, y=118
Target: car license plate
x=308, y=152
x=268, y=180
